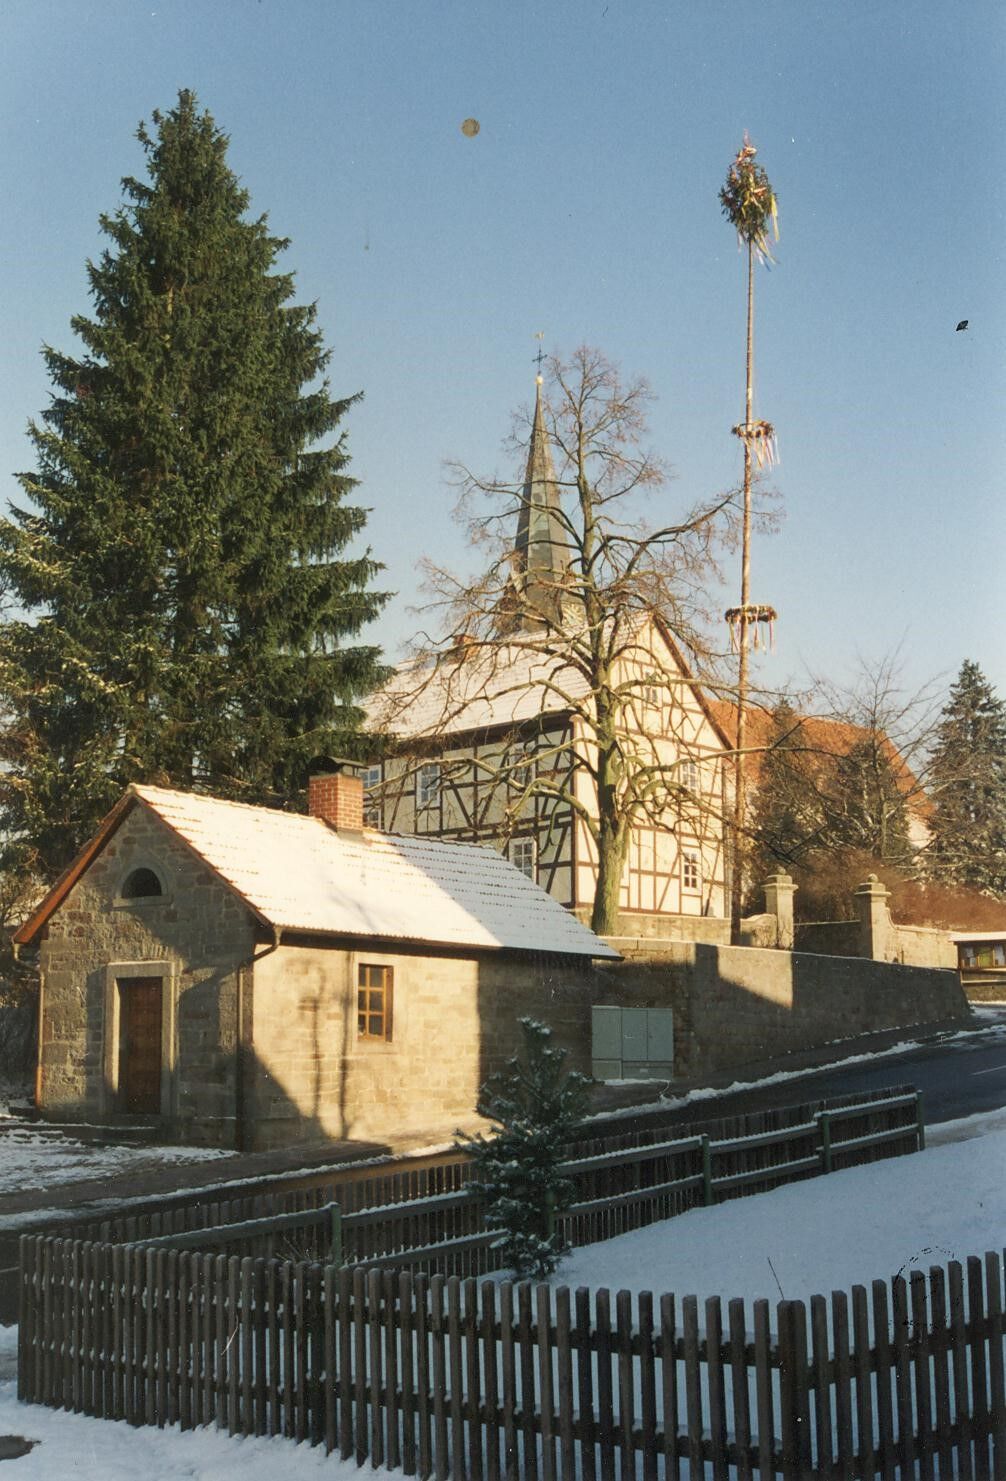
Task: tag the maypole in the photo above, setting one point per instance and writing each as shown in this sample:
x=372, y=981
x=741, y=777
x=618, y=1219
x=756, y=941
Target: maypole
x=749, y=203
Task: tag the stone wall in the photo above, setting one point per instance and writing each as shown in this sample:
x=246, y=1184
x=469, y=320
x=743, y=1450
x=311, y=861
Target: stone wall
x=924, y=946
x=875, y=935
x=739, y=1004
x=200, y=932
x=828, y=937
x=638, y=925
x=455, y=1022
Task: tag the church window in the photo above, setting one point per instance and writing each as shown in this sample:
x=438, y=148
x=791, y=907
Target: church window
x=520, y=767
x=371, y=801
x=523, y=855
x=428, y=784
x=691, y=873
x=374, y=990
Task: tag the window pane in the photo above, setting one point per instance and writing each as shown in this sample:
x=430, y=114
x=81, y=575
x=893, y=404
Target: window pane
x=373, y=1000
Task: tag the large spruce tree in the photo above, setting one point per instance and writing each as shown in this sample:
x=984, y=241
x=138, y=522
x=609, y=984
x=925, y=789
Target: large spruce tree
x=968, y=785
x=189, y=617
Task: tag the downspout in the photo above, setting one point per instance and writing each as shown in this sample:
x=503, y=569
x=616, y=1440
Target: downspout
x=245, y=1030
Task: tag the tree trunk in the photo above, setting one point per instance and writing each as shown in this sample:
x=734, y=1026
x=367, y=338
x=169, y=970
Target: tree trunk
x=612, y=841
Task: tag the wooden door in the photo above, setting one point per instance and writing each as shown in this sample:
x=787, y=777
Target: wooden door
x=140, y=1045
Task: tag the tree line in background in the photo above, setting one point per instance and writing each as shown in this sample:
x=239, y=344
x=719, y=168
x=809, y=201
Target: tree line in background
x=838, y=800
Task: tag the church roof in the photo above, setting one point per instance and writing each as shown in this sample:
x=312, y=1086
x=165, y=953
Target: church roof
x=499, y=685
x=299, y=874
x=542, y=546
x=496, y=685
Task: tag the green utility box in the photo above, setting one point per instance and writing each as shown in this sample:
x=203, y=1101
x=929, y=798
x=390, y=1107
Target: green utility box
x=632, y=1043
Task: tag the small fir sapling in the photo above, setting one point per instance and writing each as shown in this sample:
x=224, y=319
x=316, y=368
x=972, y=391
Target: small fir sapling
x=534, y=1104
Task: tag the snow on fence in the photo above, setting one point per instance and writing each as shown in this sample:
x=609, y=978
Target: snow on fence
x=430, y=1220
x=443, y=1377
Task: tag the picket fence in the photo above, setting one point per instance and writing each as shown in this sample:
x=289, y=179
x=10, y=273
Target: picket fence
x=121, y=1317
x=455, y=1378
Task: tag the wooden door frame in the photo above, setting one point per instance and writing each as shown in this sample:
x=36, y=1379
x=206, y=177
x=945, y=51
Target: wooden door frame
x=115, y=972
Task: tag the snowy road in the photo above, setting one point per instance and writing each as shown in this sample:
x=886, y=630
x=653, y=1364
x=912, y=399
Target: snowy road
x=960, y=1073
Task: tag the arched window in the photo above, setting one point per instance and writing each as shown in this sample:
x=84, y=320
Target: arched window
x=141, y=884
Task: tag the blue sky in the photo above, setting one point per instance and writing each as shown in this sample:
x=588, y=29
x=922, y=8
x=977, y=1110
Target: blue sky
x=587, y=207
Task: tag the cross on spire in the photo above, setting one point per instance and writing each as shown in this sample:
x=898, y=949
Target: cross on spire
x=539, y=358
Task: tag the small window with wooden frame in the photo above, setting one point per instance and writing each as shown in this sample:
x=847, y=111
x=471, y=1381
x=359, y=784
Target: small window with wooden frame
x=428, y=780
x=374, y=994
x=371, y=777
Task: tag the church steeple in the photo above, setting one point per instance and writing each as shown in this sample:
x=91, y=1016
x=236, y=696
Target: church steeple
x=542, y=554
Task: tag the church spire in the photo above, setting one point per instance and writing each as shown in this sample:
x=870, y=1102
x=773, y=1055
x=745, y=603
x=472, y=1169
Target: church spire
x=542, y=554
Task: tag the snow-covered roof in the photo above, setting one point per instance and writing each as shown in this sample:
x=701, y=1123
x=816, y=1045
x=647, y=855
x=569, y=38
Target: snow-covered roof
x=299, y=874
x=483, y=686
x=476, y=691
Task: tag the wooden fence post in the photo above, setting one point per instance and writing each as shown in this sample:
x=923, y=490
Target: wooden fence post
x=919, y=1121
x=790, y=1369
x=707, y=1172
x=823, y=1119
x=335, y=1235
x=997, y=1378
x=26, y=1348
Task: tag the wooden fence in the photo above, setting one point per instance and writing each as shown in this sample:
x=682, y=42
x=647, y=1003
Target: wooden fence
x=432, y=1221
x=461, y=1379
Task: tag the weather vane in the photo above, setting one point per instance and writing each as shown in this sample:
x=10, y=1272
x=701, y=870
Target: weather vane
x=541, y=354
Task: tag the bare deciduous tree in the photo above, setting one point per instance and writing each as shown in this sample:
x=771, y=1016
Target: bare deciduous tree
x=841, y=788
x=595, y=609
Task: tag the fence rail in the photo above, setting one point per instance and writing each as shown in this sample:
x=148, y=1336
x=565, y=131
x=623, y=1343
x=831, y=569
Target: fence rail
x=444, y=1377
x=422, y=1222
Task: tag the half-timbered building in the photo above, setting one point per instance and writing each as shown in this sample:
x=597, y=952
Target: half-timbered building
x=490, y=741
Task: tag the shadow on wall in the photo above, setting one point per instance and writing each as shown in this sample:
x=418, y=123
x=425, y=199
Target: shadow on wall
x=558, y=992
x=18, y=1033
x=274, y=1119
x=737, y=1004
x=731, y=1005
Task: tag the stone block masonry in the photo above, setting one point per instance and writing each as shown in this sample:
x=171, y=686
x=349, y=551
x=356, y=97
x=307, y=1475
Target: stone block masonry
x=200, y=933
x=735, y=1005
x=260, y=1035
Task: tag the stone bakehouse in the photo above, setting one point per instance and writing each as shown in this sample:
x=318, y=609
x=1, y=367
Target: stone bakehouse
x=238, y=976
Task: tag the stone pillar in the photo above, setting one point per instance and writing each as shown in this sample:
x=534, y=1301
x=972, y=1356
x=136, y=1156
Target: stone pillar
x=779, y=892
x=877, y=938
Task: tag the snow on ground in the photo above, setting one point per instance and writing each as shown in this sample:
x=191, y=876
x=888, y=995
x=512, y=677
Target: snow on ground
x=826, y=1234
x=831, y=1232
x=991, y=1025
x=72, y=1446
x=12, y=1094
x=30, y=1157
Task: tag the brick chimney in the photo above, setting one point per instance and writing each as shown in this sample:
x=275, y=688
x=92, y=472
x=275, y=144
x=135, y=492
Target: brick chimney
x=337, y=797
